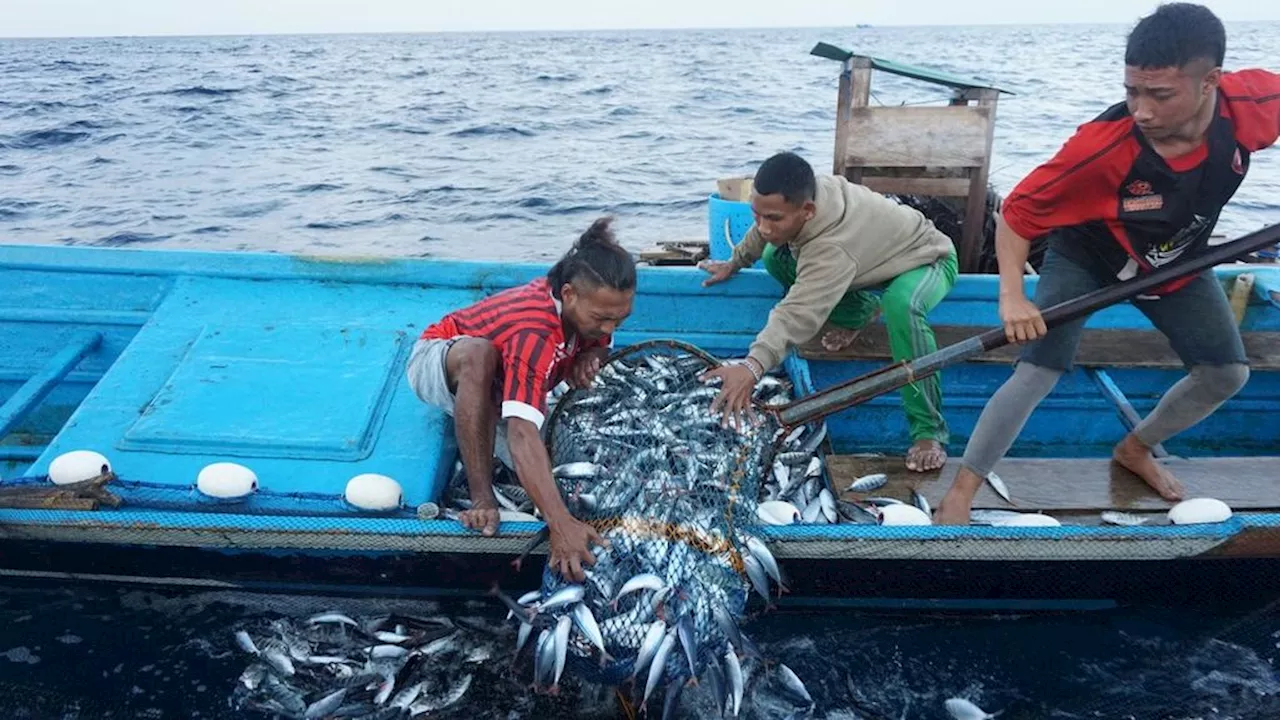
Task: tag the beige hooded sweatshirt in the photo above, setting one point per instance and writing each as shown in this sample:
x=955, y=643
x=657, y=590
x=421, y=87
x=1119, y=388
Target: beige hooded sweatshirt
x=857, y=238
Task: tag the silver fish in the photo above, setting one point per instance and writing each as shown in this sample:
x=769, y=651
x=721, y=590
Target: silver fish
x=252, y=676
x=962, y=709
x=576, y=471
x=757, y=575
x=567, y=595
x=827, y=503
x=387, y=651
x=435, y=704
x=733, y=673
x=649, y=646
x=685, y=631
x=991, y=517
x=919, y=500
x=561, y=645
x=390, y=637
x=643, y=581
x=325, y=705
x=793, y=684
x=761, y=553
x=998, y=485
x=246, y=643
x=279, y=661
x=812, y=512
x=1115, y=517
x=659, y=663
x=333, y=617
x=586, y=622
x=814, y=469
x=867, y=483
x=526, y=629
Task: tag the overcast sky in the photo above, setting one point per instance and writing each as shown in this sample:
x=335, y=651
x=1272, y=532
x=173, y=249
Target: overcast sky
x=59, y=18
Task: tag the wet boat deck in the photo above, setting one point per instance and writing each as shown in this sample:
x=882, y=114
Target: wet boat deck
x=1071, y=486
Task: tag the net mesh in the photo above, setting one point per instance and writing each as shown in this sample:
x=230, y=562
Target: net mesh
x=640, y=456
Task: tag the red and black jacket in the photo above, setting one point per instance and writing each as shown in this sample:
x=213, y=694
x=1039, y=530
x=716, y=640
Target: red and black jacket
x=1115, y=205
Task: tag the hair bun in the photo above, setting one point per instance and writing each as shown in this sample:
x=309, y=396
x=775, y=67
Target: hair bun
x=600, y=233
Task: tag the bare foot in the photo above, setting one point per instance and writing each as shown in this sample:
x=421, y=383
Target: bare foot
x=837, y=339
x=1137, y=459
x=926, y=456
x=955, y=505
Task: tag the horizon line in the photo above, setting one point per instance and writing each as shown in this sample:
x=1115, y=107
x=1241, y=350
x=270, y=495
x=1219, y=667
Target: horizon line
x=512, y=31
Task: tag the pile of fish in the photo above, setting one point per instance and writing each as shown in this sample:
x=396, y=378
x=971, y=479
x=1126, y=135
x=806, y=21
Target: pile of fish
x=674, y=492
x=337, y=666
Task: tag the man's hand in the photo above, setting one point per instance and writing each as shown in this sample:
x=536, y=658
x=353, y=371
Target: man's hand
x=571, y=541
x=585, y=368
x=482, y=516
x=734, y=398
x=720, y=271
x=1021, y=319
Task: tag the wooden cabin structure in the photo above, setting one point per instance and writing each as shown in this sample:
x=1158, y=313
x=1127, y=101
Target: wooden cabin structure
x=934, y=151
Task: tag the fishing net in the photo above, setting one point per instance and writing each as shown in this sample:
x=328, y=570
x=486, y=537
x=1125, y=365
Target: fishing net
x=640, y=456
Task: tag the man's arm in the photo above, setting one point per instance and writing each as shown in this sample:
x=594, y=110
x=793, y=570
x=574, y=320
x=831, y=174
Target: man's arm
x=823, y=274
x=1253, y=98
x=527, y=357
x=748, y=251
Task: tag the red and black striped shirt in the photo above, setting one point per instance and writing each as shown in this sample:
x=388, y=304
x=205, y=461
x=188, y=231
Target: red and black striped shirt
x=524, y=323
x=1114, y=204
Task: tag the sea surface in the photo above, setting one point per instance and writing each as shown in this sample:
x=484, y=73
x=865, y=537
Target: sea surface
x=493, y=146
x=506, y=146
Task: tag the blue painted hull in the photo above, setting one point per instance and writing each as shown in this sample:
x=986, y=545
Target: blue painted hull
x=293, y=366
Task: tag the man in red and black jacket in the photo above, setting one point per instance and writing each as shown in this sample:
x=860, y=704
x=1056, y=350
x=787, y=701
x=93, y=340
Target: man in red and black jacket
x=1139, y=187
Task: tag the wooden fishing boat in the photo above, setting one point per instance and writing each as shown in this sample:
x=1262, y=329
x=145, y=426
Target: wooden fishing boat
x=293, y=366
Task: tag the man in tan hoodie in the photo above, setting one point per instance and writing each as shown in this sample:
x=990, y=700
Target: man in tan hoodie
x=844, y=254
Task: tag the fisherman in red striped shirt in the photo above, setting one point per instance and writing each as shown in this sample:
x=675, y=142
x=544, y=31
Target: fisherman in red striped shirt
x=1139, y=187
x=491, y=365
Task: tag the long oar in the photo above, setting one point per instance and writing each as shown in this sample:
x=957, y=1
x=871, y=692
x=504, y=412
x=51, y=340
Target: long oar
x=863, y=388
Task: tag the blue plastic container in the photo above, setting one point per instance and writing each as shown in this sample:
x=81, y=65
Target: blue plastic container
x=727, y=223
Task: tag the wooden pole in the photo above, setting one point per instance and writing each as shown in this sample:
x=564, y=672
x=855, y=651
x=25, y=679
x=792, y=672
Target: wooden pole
x=976, y=208
x=855, y=92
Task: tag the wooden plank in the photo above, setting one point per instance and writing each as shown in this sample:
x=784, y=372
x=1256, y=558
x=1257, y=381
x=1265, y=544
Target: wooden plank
x=1100, y=348
x=949, y=136
x=1078, y=485
x=859, y=98
x=937, y=187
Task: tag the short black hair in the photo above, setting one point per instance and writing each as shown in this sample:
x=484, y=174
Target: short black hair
x=1174, y=35
x=597, y=259
x=789, y=174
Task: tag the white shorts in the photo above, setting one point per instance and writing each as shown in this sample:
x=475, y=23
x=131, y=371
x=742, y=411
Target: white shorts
x=428, y=376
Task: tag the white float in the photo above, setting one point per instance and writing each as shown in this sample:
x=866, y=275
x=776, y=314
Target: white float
x=778, y=512
x=1030, y=520
x=77, y=466
x=372, y=491
x=903, y=515
x=1198, y=511
x=226, y=480
x=515, y=516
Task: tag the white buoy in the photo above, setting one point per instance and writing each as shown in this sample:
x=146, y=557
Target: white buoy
x=778, y=512
x=1198, y=511
x=903, y=515
x=1030, y=520
x=226, y=480
x=372, y=491
x=77, y=466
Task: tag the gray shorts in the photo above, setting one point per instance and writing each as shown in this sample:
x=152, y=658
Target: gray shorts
x=1197, y=318
x=429, y=379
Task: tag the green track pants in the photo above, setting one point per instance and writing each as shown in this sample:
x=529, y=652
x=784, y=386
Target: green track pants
x=905, y=302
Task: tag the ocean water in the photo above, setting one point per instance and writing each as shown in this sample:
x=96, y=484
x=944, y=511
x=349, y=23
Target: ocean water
x=505, y=147
x=101, y=651
x=493, y=146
